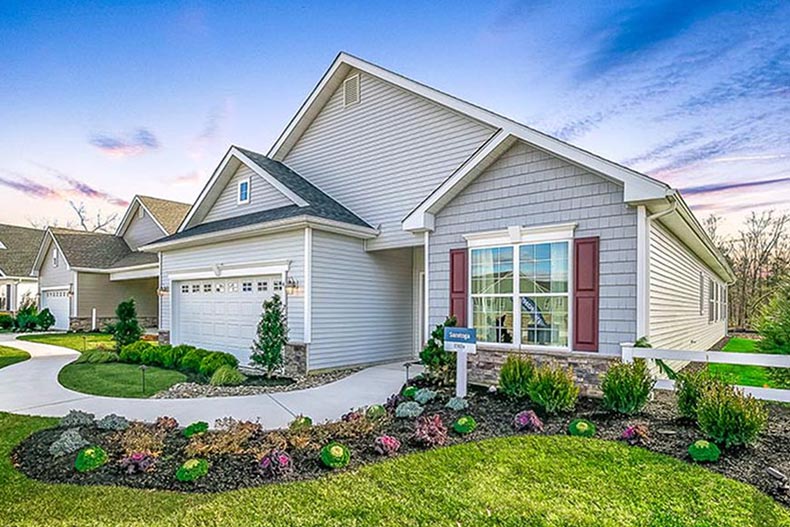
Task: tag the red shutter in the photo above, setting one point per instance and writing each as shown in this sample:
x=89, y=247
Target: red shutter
x=585, y=294
x=458, y=283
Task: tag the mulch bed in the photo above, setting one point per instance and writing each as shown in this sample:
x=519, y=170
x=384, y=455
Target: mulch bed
x=668, y=435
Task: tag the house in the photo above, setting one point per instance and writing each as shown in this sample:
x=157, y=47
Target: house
x=386, y=205
x=83, y=276
x=18, y=247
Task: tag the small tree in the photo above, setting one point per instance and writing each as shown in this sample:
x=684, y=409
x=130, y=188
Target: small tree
x=127, y=330
x=439, y=364
x=272, y=333
x=46, y=319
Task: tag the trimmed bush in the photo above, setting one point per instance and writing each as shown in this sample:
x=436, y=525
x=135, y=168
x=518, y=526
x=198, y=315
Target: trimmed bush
x=335, y=455
x=704, y=452
x=409, y=410
x=216, y=359
x=515, y=375
x=227, y=376
x=177, y=353
x=465, y=425
x=26, y=317
x=127, y=330
x=6, y=321
x=627, y=387
x=581, y=428
x=90, y=458
x=45, y=319
x=689, y=388
x=191, y=470
x=97, y=357
x=133, y=353
x=150, y=356
x=730, y=418
x=191, y=360
x=69, y=442
x=552, y=389
x=197, y=428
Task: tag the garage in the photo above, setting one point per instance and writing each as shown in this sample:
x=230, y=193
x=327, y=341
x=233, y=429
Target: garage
x=222, y=314
x=57, y=301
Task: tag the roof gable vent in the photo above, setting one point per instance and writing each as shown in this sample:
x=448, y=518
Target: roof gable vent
x=351, y=90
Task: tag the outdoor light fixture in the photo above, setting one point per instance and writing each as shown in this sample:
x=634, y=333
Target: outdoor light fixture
x=162, y=291
x=291, y=286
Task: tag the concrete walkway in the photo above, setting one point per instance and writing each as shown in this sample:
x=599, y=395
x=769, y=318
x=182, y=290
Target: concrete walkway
x=31, y=387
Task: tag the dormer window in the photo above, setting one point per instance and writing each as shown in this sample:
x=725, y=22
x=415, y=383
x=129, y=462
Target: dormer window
x=244, y=191
x=55, y=258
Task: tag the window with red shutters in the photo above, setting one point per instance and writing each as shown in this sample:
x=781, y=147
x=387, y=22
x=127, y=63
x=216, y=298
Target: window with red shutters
x=585, y=294
x=459, y=301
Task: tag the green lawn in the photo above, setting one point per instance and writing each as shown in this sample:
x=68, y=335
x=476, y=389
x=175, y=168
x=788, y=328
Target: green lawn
x=522, y=481
x=10, y=356
x=743, y=375
x=76, y=341
x=117, y=379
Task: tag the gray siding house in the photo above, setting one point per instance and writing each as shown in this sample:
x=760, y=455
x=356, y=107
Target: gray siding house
x=386, y=205
x=18, y=247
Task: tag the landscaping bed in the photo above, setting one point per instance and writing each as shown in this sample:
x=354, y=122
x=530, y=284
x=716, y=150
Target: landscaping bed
x=493, y=414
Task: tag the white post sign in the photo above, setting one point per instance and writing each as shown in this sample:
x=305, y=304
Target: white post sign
x=460, y=341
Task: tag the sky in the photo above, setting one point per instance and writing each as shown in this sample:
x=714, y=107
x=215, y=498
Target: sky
x=100, y=101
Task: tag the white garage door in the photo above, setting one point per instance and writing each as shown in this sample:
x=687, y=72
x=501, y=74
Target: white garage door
x=58, y=304
x=222, y=314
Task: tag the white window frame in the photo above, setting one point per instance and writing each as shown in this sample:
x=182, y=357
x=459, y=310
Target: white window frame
x=239, y=200
x=516, y=237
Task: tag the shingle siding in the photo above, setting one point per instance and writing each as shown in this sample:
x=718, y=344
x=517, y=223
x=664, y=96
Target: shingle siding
x=529, y=187
x=263, y=196
x=383, y=156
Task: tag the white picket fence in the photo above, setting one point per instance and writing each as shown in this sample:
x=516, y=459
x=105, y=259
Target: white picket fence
x=716, y=357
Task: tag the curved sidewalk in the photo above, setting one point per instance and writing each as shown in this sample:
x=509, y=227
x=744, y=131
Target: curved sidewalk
x=31, y=387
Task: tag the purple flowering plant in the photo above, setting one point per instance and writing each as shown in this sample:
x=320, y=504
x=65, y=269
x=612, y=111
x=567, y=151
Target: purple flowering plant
x=386, y=445
x=275, y=464
x=527, y=421
x=635, y=434
x=138, y=462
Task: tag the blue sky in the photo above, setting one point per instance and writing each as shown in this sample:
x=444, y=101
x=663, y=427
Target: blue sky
x=102, y=100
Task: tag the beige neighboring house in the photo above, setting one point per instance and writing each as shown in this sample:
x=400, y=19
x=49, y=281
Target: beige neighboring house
x=83, y=276
x=18, y=246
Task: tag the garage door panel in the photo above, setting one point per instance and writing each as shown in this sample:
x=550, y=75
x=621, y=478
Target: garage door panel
x=57, y=301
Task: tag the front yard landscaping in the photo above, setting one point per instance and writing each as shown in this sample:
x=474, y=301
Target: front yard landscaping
x=81, y=342
x=10, y=356
x=117, y=379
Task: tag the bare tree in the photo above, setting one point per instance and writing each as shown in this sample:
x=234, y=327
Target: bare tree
x=85, y=221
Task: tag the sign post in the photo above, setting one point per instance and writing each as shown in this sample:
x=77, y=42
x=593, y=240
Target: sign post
x=460, y=341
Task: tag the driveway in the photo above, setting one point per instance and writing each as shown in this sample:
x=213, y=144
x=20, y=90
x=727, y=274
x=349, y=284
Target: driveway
x=31, y=387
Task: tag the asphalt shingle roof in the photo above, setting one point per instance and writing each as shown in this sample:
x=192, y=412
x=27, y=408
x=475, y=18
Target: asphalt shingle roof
x=168, y=213
x=21, y=247
x=320, y=205
x=95, y=250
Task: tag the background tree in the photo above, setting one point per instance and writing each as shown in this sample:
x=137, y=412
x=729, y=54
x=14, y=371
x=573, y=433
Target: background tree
x=272, y=333
x=85, y=220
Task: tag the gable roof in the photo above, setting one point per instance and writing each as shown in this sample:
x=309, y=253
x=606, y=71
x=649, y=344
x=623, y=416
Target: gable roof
x=167, y=214
x=18, y=248
x=92, y=250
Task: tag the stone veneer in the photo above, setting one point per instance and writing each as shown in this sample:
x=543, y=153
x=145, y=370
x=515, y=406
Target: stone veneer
x=588, y=367
x=86, y=323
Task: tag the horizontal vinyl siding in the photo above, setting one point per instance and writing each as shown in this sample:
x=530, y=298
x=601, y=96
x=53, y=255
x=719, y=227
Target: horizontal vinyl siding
x=383, y=156
x=528, y=187
x=362, y=303
x=263, y=196
x=95, y=290
x=50, y=276
x=141, y=231
x=675, y=319
x=282, y=246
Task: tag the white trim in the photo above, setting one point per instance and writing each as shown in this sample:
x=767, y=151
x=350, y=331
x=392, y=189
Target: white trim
x=308, y=285
x=42, y=250
x=126, y=221
x=151, y=271
x=520, y=235
x=274, y=267
x=55, y=288
x=427, y=292
x=642, y=273
x=241, y=182
x=75, y=312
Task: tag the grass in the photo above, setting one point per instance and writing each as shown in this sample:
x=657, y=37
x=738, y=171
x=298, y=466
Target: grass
x=742, y=375
x=117, y=379
x=522, y=481
x=76, y=341
x=9, y=356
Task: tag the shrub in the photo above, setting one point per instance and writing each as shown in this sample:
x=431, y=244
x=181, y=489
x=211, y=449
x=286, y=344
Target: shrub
x=90, y=458
x=465, y=425
x=26, y=317
x=730, y=418
x=142, y=438
x=151, y=356
x=113, y=422
x=133, y=353
x=353, y=415
x=636, y=434
x=430, y=431
x=191, y=360
x=191, y=470
x=6, y=321
x=166, y=423
x=627, y=387
x=227, y=376
x=45, y=319
x=97, y=357
x=393, y=401
x=424, y=395
x=704, y=451
x=275, y=464
x=376, y=412
x=527, y=421
x=196, y=428
x=216, y=359
x=177, y=353
x=439, y=364
x=231, y=437
x=76, y=418
x=409, y=392
x=515, y=375
x=409, y=409
x=300, y=423
x=689, y=388
x=127, y=330
x=335, y=455
x=272, y=335
x=69, y=442
x=137, y=463
x=581, y=428
x=552, y=389
x=165, y=357
x=457, y=404
x=386, y=445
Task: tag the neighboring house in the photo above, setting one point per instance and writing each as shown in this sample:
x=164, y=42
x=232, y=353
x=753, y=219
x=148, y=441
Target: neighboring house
x=386, y=205
x=18, y=246
x=83, y=276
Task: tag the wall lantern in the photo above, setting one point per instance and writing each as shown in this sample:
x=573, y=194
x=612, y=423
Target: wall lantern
x=163, y=291
x=291, y=286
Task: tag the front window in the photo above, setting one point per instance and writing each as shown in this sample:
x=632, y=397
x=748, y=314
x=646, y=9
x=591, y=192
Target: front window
x=244, y=191
x=529, y=307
